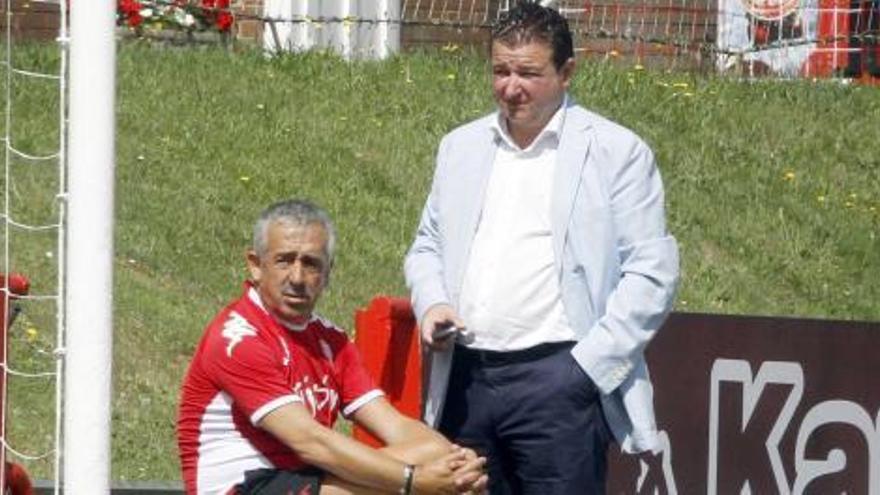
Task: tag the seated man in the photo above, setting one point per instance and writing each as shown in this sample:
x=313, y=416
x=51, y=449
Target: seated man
x=269, y=377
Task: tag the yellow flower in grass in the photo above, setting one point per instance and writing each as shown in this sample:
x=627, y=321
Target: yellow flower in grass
x=638, y=67
x=820, y=198
x=32, y=334
x=450, y=77
x=788, y=176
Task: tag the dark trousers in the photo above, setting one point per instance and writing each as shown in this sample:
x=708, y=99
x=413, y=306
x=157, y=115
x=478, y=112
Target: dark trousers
x=534, y=414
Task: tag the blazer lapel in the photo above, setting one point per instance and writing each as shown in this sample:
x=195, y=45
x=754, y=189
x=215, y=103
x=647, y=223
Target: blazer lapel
x=472, y=193
x=571, y=158
x=472, y=196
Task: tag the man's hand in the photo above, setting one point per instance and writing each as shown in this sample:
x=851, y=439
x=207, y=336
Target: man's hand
x=459, y=472
x=437, y=317
x=473, y=482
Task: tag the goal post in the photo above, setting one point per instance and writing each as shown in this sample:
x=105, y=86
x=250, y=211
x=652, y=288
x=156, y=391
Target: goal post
x=89, y=263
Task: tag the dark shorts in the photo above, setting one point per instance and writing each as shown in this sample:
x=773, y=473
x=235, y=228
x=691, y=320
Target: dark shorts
x=280, y=482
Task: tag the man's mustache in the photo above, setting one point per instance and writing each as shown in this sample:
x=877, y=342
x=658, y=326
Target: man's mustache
x=295, y=291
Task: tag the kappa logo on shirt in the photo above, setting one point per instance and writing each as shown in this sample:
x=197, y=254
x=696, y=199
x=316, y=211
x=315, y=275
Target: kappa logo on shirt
x=235, y=329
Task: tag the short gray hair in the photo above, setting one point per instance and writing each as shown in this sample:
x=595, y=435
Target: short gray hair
x=294, y=212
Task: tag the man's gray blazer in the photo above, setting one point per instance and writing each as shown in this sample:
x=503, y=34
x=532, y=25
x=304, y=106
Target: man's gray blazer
x=617, y=264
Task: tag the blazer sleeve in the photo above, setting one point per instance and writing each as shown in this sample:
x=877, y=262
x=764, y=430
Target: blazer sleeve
x=643, y=295
x=423, y=264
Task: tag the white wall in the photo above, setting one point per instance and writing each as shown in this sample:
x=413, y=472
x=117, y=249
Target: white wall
x=352, y=28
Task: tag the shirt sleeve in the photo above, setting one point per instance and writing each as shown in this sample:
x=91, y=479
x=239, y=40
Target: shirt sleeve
x=358, y=388
x=251, y=373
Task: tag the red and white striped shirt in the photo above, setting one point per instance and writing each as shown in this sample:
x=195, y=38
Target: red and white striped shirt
x=246, y=365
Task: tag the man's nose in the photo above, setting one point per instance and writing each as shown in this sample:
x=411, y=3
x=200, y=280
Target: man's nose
x=513, y=87
x=296, y=272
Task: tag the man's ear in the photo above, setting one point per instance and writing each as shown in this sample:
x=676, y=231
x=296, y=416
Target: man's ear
x=253, y=264
x=567, y=71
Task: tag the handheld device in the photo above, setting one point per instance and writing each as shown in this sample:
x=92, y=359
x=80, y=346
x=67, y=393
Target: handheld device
x=442, y=333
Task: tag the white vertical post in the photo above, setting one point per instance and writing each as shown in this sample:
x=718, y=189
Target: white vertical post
x=335, y=35
x=89, y=343
x=377, y=35
x=305, y=31
x=387, y=41
x=276, y=35
x=293, y=31
x=346, y=28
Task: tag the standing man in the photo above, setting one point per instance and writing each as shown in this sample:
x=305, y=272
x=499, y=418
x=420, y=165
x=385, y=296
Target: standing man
x=269, y=378
x=543, y=242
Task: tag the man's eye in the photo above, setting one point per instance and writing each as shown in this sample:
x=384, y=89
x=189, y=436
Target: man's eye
x=312, y=266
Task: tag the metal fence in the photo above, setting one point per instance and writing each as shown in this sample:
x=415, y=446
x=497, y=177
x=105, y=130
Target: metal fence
x=789, y=38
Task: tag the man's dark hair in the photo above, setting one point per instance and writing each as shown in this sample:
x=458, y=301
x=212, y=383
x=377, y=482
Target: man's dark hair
x=529, y=21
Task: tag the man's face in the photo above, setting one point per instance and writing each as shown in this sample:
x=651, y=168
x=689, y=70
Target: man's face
x=527, y=86
x=292, y=273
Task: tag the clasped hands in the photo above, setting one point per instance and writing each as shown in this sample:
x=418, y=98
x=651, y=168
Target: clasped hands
x=462, y=466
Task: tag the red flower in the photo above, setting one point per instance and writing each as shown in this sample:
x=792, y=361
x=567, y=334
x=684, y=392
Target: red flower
x=135, y=19
x=224, y=21
x=129, y=7
x=130, y=12
x=217, y=10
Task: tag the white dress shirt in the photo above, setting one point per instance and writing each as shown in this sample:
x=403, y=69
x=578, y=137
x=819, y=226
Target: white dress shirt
x=510, y=296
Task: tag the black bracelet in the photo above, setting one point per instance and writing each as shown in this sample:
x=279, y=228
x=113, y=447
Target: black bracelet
x=409, y=472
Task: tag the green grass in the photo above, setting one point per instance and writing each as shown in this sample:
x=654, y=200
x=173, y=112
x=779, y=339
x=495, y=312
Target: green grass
x=771, y=190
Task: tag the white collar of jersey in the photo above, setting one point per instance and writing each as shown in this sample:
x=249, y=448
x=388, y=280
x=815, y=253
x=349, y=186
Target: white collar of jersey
x=254, y=296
